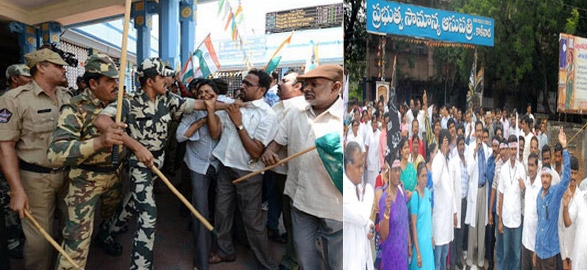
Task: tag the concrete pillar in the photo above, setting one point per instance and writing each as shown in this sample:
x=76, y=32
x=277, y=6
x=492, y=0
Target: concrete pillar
x=50, y=32
x=169, y=32
x=141, y=14
x=188, y=29
x=27, y=37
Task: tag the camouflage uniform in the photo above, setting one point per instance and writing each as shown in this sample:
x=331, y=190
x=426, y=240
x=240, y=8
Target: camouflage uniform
x=147, y=123
x=92, y=176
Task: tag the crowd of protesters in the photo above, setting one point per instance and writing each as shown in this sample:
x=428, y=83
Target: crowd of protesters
x=460, y=189
x=56, y=147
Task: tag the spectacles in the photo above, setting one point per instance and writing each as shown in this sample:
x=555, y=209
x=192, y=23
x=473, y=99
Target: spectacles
x=248, y=84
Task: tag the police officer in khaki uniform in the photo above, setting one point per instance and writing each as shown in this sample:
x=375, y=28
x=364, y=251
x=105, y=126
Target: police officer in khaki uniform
x=77, y=143
x=28, y=116
x=16, y=75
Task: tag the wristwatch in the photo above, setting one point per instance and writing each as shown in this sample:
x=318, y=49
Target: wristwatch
x=240, y=128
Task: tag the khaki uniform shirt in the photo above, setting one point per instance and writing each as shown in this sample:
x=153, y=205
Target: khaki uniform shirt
x=308, y=183
x=72, y=142
x=28, y=116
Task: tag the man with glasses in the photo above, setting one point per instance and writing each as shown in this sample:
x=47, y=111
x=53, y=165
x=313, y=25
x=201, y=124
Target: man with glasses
x=245, y=133
x=28, y=116
x=316, y=207
x=291, y=96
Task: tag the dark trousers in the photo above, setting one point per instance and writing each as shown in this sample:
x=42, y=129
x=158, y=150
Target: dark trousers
x=246, y=196
x=552, y=263
x=456, y=246
x=490, y=242
x=275, y=184
x=4, y=258
x=527, y=259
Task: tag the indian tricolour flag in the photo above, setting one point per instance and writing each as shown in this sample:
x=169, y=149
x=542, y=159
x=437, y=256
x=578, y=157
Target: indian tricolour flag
x=205, y=59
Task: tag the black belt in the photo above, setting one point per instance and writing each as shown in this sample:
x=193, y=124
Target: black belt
x=481, y=186
x=36, y=168
x=98, y=169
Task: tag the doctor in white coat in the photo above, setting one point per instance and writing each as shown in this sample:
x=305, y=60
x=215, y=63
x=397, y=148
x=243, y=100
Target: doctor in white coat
x=476, y=216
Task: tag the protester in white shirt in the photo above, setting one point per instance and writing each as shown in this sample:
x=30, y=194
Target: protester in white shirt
x=512, y=176
x=354, y=135
x=566, y=234
x=576, y=214
x=532, y=186
x=372, y=154
x=357, y=205
x=444, y=216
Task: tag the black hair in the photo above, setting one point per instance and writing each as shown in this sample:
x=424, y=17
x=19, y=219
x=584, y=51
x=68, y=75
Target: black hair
x=558, y=147
x=478, y=122
x=209, y=82
x=574, y=163
x=512, y=138
x=460, y=138
x=429, y=150
x=264, y=78
x=421, y=166
x=147, y=74
x=521, y=139
x=545, y=148
x=400, y=145
x=222, y=85
x=444, y=133
x=449, y=122
x=461, y=127
x=485, y=130
x=533, y=156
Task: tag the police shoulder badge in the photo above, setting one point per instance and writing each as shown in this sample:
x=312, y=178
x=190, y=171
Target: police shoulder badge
x=5, y=115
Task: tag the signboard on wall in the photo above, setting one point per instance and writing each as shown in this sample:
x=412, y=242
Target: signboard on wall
x=572, y=74
x=304, y=18
x=386, y=17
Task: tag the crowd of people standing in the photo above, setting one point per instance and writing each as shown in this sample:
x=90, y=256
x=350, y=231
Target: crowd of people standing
x=480, y=186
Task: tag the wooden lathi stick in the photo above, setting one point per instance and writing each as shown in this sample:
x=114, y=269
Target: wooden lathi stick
x=183, y=199
x=274, y=165
x=49, y=238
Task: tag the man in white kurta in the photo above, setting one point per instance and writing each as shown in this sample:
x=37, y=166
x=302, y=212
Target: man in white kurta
x=372, y=154
x=576, y=213
x=532, y=188
x=444, y=216
x=357, y=206
x=566, y=235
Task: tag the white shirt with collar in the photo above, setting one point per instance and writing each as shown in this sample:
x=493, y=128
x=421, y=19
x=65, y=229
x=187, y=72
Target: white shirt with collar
x=259, y=122
x=280, y=109
x=357, y=224
x=512, y=195
x=578, y=215
x=455, y=177
x=308, y=183
x=530, y=213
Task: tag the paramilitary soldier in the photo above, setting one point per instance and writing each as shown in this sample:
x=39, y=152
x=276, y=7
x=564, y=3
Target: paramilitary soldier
x=77, y=143
x=28, y=117
x=147, y=113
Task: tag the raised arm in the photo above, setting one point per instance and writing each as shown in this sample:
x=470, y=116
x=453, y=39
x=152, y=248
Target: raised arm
x=103, y=121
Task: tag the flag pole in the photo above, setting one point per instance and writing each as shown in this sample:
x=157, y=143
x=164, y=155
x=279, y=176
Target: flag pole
x=274, y=165
x=121, y=72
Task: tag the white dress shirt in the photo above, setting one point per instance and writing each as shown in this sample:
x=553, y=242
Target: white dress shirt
x=530, y=213
x=308, y=183
x=280, y=109
x=566, y=236
x=578, y=214
x=373, y=155
x=259, y=121
x=512, y=195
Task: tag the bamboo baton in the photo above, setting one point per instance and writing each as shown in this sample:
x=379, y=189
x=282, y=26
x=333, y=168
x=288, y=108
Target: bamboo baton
x=274, y=165
x=577, y=133
x=183, y=199
x=121, y=72
x=49, y=238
